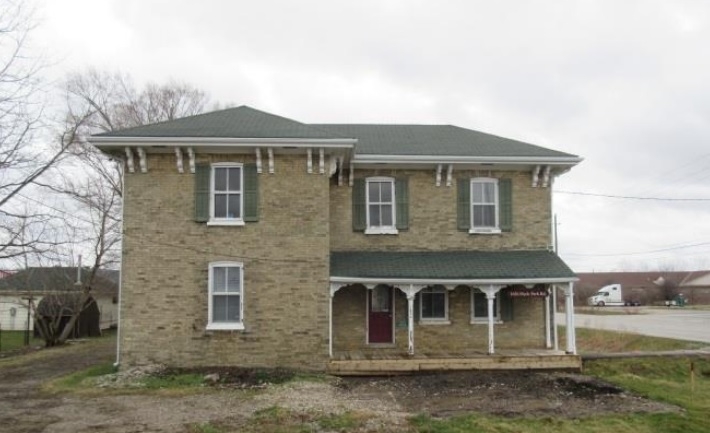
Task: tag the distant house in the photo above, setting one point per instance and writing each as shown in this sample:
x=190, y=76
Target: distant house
x=648, y=287
x=35, y=283
x=696, y=287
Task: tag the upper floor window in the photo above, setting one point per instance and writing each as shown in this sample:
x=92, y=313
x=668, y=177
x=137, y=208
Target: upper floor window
x=226, y=296
x=226, y=195
x=484, y=206
x=381, y=213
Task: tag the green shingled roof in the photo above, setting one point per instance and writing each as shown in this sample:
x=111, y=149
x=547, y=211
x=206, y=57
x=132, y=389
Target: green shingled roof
x=430, y=140
x=239, y=122
x=450, y=265
x=444, y=140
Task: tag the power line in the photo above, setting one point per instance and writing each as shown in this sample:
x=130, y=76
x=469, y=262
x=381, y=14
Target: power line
x=630, y=197
x=637, y=253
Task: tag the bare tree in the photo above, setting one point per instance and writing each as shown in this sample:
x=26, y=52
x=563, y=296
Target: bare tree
x=23, y=160
x=102, y=102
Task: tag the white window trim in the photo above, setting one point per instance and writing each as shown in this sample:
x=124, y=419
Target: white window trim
x=231, y=326
x=381, y=230
x=434, y=320
x=484, y=320
x=214, y=221
x=487, y=230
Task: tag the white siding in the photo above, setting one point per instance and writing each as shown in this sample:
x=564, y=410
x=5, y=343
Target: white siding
x=18, y=322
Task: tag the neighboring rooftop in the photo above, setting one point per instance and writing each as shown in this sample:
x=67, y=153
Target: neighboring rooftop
x=39, y=279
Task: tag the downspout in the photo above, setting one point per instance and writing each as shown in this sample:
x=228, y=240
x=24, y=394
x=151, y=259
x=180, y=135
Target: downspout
x=120, y=274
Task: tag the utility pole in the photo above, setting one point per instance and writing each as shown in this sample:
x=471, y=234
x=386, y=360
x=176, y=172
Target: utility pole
x=557, y=247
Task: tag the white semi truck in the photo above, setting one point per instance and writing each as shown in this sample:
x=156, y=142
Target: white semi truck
x=611, y=295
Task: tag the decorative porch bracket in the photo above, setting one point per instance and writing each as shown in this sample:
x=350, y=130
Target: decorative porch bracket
x=411, y=291
x=491, y=291
x=569, y=315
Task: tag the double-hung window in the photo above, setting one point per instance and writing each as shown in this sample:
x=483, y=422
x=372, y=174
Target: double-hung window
x=226, y=296
x=484, y=206
x=479, y=307
x=381, y=218
x=226, y=194
x=434, y=305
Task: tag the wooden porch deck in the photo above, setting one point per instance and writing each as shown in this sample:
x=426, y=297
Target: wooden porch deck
x=367, y=364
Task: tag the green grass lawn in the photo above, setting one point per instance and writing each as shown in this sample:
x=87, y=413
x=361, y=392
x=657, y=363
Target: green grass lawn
x=11, y=340
x=600, y=341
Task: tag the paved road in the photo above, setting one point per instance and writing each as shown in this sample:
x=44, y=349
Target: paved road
x=677, y=323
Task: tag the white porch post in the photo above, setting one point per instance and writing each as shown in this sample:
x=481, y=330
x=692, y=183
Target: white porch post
x=410, y=291
x=491, y=292
x=555, y=339
x=410, y=323
x=548, y=324
x=569, y=311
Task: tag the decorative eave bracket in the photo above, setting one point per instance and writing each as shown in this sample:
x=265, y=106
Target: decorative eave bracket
x=539, y=171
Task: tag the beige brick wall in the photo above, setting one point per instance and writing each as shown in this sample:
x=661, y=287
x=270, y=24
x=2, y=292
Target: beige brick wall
x=525, y=331
x=432, y=216
x=286, y=269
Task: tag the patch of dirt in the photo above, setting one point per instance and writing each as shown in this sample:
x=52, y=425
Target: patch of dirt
x=511, y=393
x=236, y=396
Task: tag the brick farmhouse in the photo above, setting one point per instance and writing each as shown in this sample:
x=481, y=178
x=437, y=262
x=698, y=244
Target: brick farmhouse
x=254, y=240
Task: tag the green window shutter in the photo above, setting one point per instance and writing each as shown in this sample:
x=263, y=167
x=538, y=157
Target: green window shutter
x=463, y=208
x=251, y=193
x=359, y=206
x=202, y=192
x=505, y=201
x=401, y=188
x=506, y=305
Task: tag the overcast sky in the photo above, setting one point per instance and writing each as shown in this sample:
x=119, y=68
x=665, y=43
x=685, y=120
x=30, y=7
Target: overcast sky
x=624, y=84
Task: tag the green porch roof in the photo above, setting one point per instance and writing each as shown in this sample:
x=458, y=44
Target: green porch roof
x=450, y=265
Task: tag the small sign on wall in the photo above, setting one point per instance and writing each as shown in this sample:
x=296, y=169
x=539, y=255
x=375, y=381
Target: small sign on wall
x=523, y=293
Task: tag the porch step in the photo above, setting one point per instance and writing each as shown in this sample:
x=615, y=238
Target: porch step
x=375, y=367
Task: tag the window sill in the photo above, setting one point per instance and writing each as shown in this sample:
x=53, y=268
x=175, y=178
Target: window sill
x=484, y=231
x=427, y=322
x=235, y=222
x=381, y=231
x=225, y=327
x=485, y=322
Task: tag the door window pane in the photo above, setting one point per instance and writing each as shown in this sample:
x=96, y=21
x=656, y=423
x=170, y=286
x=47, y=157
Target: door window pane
x=380, y=299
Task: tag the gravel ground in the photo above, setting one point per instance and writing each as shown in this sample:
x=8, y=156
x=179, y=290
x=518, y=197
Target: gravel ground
x=387, y=401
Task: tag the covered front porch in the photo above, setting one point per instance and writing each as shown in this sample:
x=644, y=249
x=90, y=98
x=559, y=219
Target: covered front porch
x=398, y=312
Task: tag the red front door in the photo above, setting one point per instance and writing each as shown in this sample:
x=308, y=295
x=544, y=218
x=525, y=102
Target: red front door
x=379, y=313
